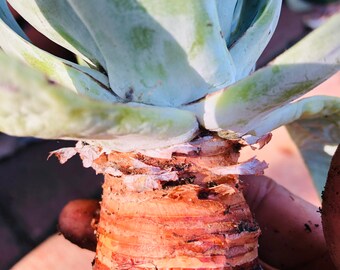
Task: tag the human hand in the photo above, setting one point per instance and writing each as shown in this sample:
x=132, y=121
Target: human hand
x=292, y=235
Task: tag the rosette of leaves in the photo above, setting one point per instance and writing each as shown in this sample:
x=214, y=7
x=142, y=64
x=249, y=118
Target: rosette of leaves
x=155, y=74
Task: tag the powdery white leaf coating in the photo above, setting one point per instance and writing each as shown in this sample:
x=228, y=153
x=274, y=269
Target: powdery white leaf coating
x=60, y=23
x=320, y=46
x=300, y=69
x=313, y=107
x=82, y=80
x=198, y=48
x=162, y=65
x=48, y=110
x=238, y=106
x=248, y=48
x=315, y=133
x=226, y=12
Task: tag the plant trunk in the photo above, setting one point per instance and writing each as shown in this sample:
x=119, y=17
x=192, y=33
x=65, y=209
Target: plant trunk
x=175, y=213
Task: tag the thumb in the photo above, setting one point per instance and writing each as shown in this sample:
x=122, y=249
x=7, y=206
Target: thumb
x=292, y=236
x=77, y=222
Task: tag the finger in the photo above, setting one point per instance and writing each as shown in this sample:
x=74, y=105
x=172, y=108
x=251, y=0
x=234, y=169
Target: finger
x=292, y=236
x=77, y=221
x=331, y=209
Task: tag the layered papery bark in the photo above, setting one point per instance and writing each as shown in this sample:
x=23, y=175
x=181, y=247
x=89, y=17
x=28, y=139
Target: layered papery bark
x=175, y=213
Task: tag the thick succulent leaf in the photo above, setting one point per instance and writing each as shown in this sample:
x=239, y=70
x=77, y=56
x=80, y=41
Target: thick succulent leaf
x=290, y=76
x=236, y=22
x=244, y=16
x=257, y=22
x=31, y=106
x=80, y=79
x=299, y=5
x=303, y=109
x=225, y=11
x=7, y=17
x=320, y=46
x=57, y=21
x=317, y=136
x=236, y=107
x=172, y=51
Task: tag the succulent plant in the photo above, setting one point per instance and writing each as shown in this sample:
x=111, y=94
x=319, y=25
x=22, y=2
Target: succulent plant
x=152, y=78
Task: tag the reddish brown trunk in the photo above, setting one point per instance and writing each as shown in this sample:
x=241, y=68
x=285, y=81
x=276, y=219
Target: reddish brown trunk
x=198, y=221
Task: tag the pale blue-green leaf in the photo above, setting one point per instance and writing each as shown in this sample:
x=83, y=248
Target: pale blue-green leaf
x=7, y=17
x=291, y=75
x=247, y=49
x=303, y=109
x=80, y=79
x=299, y=5
x=172, y=51
x=236, y=107
x=316, y=137
x=31, y=106
x=244, y=16
x=225, y=11
x=321, y=46
x=57, y=21
x=234, y=33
